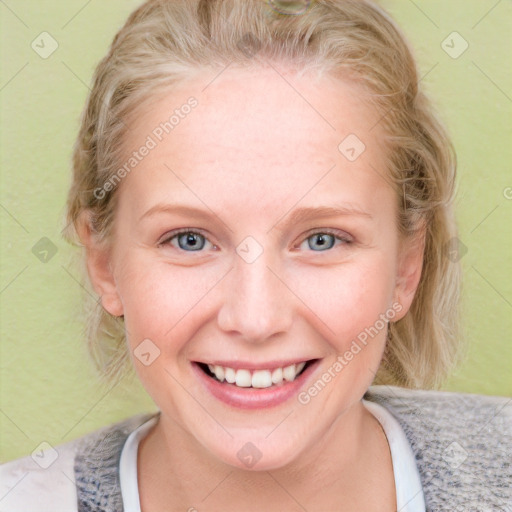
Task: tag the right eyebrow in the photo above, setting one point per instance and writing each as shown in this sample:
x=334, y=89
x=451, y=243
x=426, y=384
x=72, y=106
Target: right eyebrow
x=174, y=208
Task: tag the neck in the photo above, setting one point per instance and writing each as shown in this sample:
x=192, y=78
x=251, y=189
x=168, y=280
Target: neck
x=353, y=453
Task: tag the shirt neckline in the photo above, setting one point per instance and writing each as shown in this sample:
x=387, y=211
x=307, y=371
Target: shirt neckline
x=409, y=491
x=128, y=478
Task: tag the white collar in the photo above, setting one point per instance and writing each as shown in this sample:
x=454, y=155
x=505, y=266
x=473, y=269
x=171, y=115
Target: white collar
x=409, y=492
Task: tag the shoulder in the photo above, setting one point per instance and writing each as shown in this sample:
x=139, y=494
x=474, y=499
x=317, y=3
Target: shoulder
x=46, y=480
x=33, y=482
x=462, y=443
x=493, y=411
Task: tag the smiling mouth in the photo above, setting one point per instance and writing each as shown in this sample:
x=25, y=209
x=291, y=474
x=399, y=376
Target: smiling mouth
x=258, y=379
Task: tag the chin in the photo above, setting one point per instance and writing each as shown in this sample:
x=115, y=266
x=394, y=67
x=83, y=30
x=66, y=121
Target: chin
x=257, y=453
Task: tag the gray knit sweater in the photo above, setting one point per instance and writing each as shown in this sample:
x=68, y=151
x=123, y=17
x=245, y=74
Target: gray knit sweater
x=462, y=444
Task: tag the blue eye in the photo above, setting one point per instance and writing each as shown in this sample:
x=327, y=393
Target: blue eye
x=189, y=241
x=192, y=241
x=321, y=241
x=324, y=240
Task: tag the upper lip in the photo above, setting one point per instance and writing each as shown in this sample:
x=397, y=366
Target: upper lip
x=251, y=365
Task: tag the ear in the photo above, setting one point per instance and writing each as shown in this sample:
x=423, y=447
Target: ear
x=99, y=266
x=410, y=265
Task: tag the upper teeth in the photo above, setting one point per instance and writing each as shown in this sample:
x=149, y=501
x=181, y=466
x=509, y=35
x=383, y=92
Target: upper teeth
x=256, y=378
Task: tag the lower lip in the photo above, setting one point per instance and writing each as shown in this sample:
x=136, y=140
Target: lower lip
x=254, y=398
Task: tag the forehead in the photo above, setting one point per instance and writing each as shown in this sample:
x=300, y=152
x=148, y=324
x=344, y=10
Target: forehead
x=266, y=130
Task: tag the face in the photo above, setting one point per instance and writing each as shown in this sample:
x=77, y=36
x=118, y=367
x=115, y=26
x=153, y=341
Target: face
x=248, y=247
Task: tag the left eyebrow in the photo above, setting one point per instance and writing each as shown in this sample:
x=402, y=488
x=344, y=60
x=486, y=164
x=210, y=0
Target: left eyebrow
x=301, y=214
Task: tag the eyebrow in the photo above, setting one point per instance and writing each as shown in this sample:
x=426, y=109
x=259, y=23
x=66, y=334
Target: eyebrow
x=306, y=213
x=296, y=217
x=177, y=209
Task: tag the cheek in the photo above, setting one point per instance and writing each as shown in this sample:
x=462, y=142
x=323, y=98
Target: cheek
x=160, y=301
x=349, y=300
x=168, y=304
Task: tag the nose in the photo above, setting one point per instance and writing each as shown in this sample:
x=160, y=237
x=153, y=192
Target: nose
x=256, y=303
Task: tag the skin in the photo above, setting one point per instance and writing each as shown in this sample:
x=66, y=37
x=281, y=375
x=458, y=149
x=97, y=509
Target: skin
x=252, y=152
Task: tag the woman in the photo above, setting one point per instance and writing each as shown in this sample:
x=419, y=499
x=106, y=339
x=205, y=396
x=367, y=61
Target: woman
x=264, y=199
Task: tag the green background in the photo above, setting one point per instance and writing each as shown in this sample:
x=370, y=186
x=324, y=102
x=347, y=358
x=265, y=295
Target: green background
x=49, y=390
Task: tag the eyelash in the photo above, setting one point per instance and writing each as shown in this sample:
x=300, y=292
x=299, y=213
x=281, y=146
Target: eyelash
x=344, y=238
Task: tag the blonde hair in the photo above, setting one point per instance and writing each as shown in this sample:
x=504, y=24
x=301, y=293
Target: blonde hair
x=165, y=41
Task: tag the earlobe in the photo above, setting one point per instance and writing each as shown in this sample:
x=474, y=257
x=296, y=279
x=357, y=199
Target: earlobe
x=99, y=266
x=410, y=265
